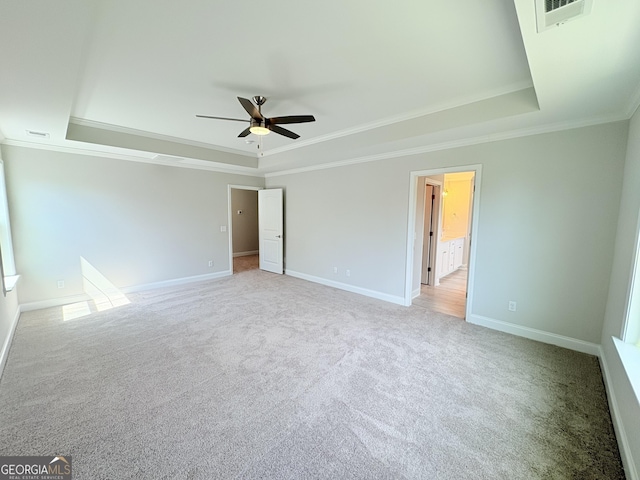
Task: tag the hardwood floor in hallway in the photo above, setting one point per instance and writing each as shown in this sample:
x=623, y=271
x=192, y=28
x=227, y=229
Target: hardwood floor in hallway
x=449, y=297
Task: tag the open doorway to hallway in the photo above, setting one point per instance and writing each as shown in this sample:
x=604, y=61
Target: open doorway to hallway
x=245, y=245
x=444, y=205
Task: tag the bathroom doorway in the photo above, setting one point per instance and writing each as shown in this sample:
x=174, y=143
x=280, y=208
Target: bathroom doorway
x=442, y=249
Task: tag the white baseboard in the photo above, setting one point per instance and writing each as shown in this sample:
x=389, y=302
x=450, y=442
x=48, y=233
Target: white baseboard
x=58, y=302
x=4, y=354
x=246, y=254
x=415, y=293
x=54, y=302
x=176, y=281
x=535, y=334
x=349, y=288
x=621, y=434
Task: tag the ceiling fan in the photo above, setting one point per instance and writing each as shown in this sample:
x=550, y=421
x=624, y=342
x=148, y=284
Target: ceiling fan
x=261, y=125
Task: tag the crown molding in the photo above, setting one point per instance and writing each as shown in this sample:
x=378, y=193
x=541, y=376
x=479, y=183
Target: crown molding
x=494, y=137
x=156, y=136
x=165, y=160
x=180, y=162
x=402, y=117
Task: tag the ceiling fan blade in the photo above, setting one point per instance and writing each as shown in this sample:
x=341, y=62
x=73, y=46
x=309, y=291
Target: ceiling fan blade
x=223, y=118
x=250, y=108
x=244, y=132
x=283, y=131
x=291, y=119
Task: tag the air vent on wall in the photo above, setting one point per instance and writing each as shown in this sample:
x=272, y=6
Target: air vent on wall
x=553, y=13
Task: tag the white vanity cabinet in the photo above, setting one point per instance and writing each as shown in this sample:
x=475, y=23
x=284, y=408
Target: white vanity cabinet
x=451, y=255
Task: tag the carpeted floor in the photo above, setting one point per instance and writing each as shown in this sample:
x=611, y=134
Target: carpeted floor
x=266, y=376
x=246, y=262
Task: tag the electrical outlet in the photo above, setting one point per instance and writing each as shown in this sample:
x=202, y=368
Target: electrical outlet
x=60, y=283
x=211, y=263
x=335, y=269
x=348, y=273
x=223, y=228
x=512, y=306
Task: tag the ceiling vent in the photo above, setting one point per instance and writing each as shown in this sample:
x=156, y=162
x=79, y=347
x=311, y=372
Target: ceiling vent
x=167, y=158
x=553, y=13
x=33, y=133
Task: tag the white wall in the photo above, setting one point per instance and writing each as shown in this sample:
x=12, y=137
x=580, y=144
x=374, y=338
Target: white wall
x=136, y=223
x=547, y=221
x=9, y=307
x=628, y=410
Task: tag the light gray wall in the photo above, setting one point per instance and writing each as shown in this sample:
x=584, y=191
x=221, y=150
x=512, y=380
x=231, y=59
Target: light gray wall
x=547, y=220
x=629, y=410
x=136, y=223
x=547, y=226
x=245, y=226
x=353, y=218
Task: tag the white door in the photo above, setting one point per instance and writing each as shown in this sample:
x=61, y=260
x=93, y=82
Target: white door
x=270, y=229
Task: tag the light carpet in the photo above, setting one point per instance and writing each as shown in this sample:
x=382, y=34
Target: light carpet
x=266, y=376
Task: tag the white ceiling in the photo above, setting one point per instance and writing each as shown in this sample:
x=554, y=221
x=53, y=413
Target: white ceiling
x=379, y=77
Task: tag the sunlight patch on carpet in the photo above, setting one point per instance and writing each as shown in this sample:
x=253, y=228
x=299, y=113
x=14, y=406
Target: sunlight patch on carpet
x=104, y=294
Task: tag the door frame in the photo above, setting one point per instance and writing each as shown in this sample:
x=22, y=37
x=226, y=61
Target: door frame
x=230, y=217
x=411, y=223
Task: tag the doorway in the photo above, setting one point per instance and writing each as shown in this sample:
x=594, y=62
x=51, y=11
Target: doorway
x=442, y=224
x=243, y=228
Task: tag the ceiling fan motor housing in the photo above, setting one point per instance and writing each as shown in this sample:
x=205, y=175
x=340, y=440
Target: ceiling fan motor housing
x=261, y=125
x=258, y=123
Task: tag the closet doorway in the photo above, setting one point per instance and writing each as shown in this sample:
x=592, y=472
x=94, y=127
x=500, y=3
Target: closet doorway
x=243, y=231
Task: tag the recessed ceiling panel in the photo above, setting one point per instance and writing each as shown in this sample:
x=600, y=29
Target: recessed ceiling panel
x=154, y=65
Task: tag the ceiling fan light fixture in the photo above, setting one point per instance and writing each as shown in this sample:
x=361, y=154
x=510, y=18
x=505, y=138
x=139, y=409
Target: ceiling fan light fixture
x=259, y=130
x=261, y=125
